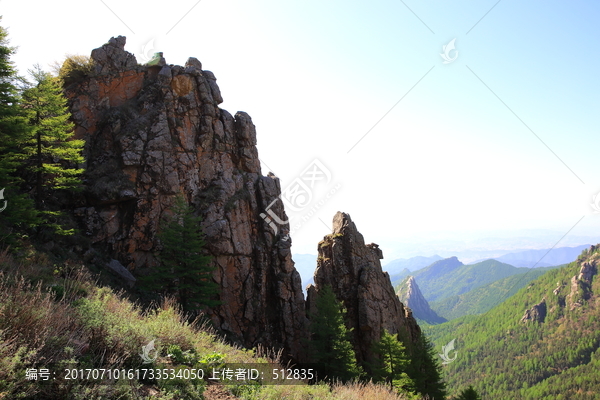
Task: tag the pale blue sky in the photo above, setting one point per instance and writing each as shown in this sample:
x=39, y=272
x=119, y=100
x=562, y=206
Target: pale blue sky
x=450, y=160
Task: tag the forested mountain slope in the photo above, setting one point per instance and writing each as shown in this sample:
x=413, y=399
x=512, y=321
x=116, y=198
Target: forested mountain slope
x=450, y=277
x=484, y=298
x=541, y=343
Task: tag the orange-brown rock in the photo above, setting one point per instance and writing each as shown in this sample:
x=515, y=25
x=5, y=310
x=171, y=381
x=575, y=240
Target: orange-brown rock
x=353, y=270
x=155, y=132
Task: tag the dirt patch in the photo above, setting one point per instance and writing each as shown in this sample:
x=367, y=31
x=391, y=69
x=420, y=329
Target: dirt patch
x=216, y=391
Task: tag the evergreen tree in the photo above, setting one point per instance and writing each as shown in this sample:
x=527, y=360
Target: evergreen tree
x=183, y=271
x=332, y=351
x=393, y=363
x=14, y=130
x=426, y=370
x=468, y=394
x=51, y=149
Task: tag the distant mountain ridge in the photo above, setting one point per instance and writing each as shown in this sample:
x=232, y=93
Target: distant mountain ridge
x=429, y=273
x=542, y=257
x=450, y=277
x=412, y=264
x=484, y=298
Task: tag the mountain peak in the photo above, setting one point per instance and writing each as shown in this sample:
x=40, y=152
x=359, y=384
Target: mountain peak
x=410, y=294
x=353, y=270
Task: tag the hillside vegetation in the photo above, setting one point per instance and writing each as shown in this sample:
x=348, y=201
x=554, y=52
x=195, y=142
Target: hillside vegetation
x=450, y=277
x=55, y=317
x=484, y=298
x=553, y=355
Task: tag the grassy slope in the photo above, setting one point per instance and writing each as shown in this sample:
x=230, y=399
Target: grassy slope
x=504, y=358
x=484, y=298
x=66, y=321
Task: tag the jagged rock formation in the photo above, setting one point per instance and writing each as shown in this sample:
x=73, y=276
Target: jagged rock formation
x=411, y=296
x=580, y=289
x=153, y=132
x=581, y=284
x=111, y=57
x=537, y=313
x=353, y=270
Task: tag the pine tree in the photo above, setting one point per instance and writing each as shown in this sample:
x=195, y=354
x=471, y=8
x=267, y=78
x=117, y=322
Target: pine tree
x=393, y=363
x=426, y=370
x=468, y=394
x=51, y=148
x=332, y=351
x=14, y=130
x=183, y=271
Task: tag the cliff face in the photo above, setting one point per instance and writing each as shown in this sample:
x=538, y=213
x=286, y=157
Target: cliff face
x=154, y=132
x=354, y=272
x=410, y=294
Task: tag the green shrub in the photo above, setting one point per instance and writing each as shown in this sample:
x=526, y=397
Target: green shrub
x=74, y=69
x=213, y=360
x=188, y=357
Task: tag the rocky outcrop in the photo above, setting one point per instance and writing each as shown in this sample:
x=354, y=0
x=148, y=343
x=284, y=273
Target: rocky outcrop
x=537, y=313
x=581, y=284
x=112, y=57
x=154, y=132
x=353, y=270
x=411, y=296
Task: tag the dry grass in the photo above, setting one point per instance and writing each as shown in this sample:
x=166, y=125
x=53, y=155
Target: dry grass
x=65, y=319
x=35, y=328
x=339, y=391
x=365, y=391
